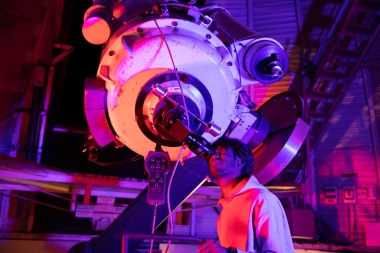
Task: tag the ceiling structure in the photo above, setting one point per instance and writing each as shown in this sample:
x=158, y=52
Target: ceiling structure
x=322, y=78
x=45, y=60
x=336, y=62
x=322, y=81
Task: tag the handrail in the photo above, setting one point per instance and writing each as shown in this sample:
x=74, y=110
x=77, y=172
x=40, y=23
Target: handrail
x=142, y=236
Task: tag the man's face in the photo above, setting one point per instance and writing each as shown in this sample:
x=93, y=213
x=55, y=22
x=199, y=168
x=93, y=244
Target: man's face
x=223, y=164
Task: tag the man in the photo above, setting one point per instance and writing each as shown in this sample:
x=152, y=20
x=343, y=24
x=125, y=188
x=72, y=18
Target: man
x=252, y=218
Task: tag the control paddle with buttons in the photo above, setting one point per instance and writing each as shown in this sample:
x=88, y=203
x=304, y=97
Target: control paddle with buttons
x=157, y=164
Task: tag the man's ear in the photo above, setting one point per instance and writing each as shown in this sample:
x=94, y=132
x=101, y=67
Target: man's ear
x=239, y=162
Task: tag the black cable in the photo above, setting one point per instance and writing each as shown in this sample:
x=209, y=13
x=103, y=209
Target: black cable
x=176, y=72
x=118, y=163
x=195, y=208
x=3, y=119
x=168, y=196
x=35, y=201
x=22, y=109
x=153, y=225
x=247, y=99
x=158, y=144
x=39, y=190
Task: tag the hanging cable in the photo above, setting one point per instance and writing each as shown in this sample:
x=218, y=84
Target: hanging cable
x=35, y=201
x=21, y=109
x=157, y=164
x=196, y=208
x=168, y=195
x=158, y=147
x=176, y=73
x=117, y=163
x=38, y=190
x=153, y=225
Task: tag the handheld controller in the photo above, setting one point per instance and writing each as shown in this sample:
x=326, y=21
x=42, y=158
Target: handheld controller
x=157, y=165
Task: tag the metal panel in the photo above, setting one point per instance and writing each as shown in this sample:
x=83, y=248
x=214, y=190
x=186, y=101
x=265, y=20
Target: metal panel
x=4, y=210
x=178, y=228
x=205, y=224
x=276, y=20
x=181, y=229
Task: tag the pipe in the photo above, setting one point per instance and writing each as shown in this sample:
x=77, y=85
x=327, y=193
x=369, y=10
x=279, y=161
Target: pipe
x=35, y=112
x=322, y=53
x=43, y=114
x=182, y=238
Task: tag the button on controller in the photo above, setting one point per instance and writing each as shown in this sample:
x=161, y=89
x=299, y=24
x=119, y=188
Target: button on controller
x=157, y=164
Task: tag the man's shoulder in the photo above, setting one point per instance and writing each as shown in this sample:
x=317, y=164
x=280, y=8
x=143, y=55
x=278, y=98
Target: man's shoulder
x=262, y=193
x=256, y=190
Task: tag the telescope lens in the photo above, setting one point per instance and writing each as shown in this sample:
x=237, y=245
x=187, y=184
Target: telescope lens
x=198, y=145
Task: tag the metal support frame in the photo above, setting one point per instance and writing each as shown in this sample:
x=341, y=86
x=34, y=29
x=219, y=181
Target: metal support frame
x=345, y=86
x=67, y=49
x=180, y=238
x=334, y=71
x=186, y=180
x=301, y=34
x=34, y=61
x=299, y=85
x=327, y=45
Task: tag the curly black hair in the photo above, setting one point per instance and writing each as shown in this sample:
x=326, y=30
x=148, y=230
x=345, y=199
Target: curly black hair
x=240, y=150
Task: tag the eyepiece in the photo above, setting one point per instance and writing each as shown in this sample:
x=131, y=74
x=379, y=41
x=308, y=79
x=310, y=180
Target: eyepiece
x=198, y=145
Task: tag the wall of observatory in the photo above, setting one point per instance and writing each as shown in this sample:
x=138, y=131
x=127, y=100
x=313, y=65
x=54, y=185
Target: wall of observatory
x=346, y=158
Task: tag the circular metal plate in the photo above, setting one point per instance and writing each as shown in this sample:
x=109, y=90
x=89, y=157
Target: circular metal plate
x=137, y=59
x=287, y=133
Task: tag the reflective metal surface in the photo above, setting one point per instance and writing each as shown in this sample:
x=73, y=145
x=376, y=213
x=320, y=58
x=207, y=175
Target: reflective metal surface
x=287, y=133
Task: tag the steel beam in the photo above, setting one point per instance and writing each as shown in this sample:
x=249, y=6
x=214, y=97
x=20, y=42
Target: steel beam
x=138, y=216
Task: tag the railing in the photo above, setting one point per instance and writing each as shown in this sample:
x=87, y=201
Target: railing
x=180, y=238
